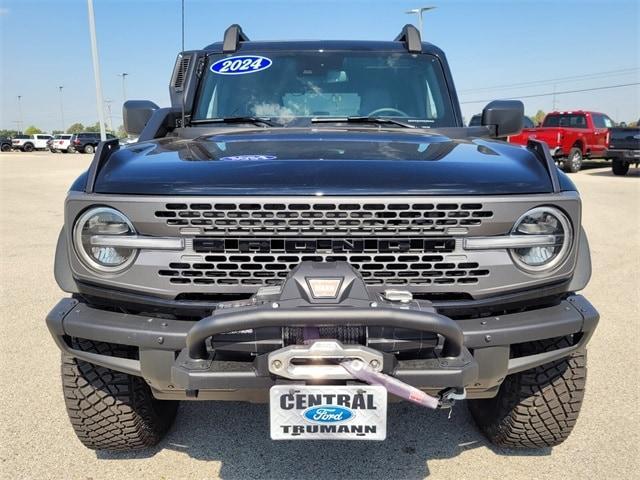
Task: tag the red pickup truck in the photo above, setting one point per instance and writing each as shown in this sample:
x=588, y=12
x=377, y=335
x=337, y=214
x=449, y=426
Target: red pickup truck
x=571, y=136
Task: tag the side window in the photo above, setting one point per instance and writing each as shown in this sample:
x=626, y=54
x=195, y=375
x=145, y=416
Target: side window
x=598, y=120
x=602, y=121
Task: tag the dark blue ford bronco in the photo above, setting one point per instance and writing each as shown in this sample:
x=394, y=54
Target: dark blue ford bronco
x=311, y=225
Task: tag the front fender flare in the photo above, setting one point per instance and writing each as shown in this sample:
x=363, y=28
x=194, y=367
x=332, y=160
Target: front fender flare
x=62, y=267
x=582, y=273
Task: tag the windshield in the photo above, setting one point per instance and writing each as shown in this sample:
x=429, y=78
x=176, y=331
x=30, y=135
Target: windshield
x=306, y=85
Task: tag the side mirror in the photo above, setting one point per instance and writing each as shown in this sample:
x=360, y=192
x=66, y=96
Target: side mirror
x=136, y=114
x=504, y=117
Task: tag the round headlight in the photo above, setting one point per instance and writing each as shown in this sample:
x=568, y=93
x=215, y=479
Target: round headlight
x=547, y=221
x=103, y=221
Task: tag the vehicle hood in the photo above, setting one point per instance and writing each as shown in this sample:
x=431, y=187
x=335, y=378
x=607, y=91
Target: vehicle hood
x=320, y=161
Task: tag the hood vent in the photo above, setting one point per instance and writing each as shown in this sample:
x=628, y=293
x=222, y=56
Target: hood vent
x=182, y=67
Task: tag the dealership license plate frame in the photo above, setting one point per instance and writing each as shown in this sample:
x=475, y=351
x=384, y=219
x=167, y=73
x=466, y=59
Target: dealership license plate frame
x=358, y=427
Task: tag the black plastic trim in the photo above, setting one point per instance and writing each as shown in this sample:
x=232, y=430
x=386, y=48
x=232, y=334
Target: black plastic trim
x=573, y=315
x=82, y=321
x=72, y=318
x=160, y=124
x=233, y=35
x=541, y=150
x=104, y=151
x=106, y=297
x=270, y=317
x=410, y=36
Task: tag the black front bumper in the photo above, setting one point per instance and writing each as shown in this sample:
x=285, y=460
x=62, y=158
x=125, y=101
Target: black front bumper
x=477, y=357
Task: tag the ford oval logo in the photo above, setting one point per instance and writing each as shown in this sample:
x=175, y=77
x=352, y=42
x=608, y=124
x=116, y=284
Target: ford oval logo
x=241, y=65
x=250, y=157
x=328, y=414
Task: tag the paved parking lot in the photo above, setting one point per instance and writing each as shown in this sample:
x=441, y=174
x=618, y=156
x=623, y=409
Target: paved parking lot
x=230, y=440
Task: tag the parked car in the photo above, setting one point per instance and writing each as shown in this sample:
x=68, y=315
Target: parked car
x=571, y=137
x=29, y=143
x=476, y=121
x=127, y=141
x=363, y=245
x=5, y=144
x=624, y=148
x=62, y=143
x=87, y=142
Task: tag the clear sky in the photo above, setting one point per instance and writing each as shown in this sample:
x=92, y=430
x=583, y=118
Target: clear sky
x=491, y=45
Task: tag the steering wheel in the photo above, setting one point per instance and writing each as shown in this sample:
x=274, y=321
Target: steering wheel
x=378, y=111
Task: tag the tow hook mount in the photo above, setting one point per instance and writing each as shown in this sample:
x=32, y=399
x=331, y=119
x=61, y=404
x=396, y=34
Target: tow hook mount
x=449, y=397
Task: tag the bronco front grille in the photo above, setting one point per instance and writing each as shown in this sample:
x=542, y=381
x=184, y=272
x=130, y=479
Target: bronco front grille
x=234, y=244
x=322, y=218
x=382, y=261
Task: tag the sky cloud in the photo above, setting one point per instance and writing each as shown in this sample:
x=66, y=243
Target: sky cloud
x=4, y=11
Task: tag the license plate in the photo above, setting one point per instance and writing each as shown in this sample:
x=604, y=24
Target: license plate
x=328, y=412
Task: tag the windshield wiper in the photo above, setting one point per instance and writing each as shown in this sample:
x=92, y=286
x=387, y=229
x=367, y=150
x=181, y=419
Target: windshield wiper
x=246, y=119
x=378, y=120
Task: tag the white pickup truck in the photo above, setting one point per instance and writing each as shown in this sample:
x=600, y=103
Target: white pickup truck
x=29, y=143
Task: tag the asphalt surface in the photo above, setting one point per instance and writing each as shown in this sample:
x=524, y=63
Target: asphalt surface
x=231, y=440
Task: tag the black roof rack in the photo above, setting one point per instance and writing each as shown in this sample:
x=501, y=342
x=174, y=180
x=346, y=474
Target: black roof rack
x=410, y=36
x=232, y=38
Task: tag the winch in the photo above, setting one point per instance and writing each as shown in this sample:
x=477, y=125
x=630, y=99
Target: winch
x=326, y=316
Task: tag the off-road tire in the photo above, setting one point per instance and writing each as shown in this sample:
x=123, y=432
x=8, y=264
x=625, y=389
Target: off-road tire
x=6, y=147
x=536, y=408
x=573, y=162
x=28, y=147
x=619, y=168
x=111, y=410
x=89, y=149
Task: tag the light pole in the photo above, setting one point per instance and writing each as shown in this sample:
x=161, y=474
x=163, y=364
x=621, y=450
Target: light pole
x=418, y=12
x=19, y=113
x=124, y=86
x=108, y=102
x=96, y=70
x=61, y=106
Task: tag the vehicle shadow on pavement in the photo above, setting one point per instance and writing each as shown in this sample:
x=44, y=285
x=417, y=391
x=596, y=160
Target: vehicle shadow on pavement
x=237, y=435
x=633, y=172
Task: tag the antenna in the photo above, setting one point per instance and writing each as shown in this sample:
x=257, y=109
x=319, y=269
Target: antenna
x=181, y=57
